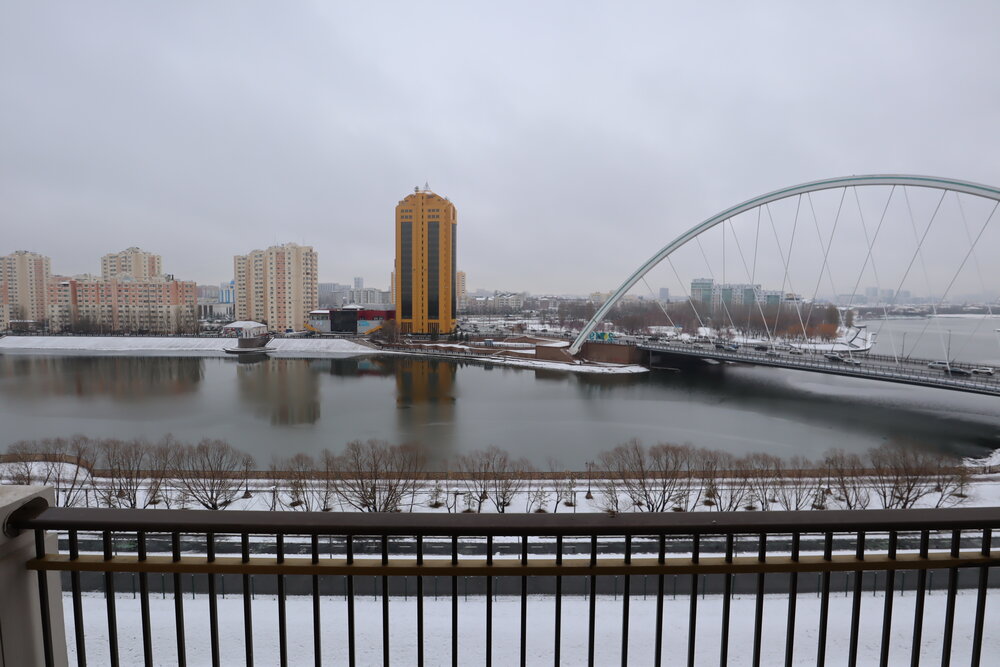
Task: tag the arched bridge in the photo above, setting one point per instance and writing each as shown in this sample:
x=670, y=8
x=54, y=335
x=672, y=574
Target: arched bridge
x=941, y=248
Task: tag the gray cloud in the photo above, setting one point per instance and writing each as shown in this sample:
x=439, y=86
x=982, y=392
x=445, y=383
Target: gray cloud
x=573, y=137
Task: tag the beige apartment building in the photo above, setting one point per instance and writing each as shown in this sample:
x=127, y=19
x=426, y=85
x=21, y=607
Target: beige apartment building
x=89, y=304
x=425, y=284
x=133, y=262
x=277, y=286
x=24, y=276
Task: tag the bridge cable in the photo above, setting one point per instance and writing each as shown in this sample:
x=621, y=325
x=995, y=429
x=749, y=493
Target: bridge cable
x=927, y=281
x=711, y=274
x=688, y=296
x=870, y=242
x=826, y=250
x=878, y=281
x=966, y=258
x=982, y=283
x=739, y=248
x=786, y=279
x=658, y=302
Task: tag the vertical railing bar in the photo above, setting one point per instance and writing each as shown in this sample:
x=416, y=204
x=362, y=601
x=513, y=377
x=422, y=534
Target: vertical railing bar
x=984, y=574
x=824, y=604
x=556, y=649
x=317, y=632
x=859, y=554
x=758, y=617
x=349, y=548
x=43, y=601
x=592, y=610
x=420, y=603
x=213, y=603
x=489, y=603
x=109, y=594
x=949, y=610
x=727, y=598
x=793, y=596
x=74, y=577
x=524, y=603
x=625, y=600
x=918, y=604
x=454, y=601
x=385, y=602
x=175, y=554
x=661, y=558
x=247, y=609
x=147, y=637
x=282, y=624
x=693, y=605
x=890, y=584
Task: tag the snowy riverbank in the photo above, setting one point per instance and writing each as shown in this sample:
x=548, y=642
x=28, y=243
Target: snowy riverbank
x=176, y=346
x=301, y=348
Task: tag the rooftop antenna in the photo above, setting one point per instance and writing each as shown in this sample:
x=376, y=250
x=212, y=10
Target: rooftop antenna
x=427, y=186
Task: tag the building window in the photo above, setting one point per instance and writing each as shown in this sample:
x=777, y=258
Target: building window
x=406, y=271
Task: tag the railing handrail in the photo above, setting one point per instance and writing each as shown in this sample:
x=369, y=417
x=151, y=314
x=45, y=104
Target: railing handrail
x=462, y=524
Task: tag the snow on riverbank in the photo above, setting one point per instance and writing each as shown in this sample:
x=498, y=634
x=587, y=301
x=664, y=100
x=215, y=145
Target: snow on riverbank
x=175, y=346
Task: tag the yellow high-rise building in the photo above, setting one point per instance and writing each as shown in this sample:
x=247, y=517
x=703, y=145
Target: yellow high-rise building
x=424, y=280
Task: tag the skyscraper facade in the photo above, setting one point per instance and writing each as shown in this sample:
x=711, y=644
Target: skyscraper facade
x=277, y=286
x=425, y=281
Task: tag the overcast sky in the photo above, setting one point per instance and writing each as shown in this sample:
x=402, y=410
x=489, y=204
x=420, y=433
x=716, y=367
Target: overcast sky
x=575, y=138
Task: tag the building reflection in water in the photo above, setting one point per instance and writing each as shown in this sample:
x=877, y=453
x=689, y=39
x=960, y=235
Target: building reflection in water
x=285, y=390
x=425, y=402
x=128, y=378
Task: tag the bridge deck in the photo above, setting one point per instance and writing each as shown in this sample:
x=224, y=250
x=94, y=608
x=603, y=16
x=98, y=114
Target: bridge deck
x=872, y=367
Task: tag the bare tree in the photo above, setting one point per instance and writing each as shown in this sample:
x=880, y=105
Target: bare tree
x=492, y=475
x=764, y=475
x=21, y=462
x=798, y=488
x=211, y=473
x=378, y=477
x=475, y=469
x=846, y=479
x=304, y=489
x=950, y=481
x=652, y=480
x=126, y=464
x=901, y=475
x=726, y=480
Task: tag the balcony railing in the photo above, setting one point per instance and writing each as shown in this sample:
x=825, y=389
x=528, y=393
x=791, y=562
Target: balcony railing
x=596, y=561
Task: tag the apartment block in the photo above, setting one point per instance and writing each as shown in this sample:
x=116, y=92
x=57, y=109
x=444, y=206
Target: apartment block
x=89, y=304
x=277, y=286
x=23, y=279
x=133, y=262
x=463, y=296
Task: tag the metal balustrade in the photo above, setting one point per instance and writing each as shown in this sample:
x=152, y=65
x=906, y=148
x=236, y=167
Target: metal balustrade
x=798, y=553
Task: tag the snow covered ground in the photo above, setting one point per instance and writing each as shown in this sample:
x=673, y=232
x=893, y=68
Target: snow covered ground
x=176, y=346
x=506, y=629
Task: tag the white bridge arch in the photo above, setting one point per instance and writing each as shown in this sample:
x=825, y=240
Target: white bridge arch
x=933, y=182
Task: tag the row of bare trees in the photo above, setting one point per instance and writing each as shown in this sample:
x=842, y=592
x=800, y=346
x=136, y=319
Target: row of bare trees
x=665, y=477
x=375, y=476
